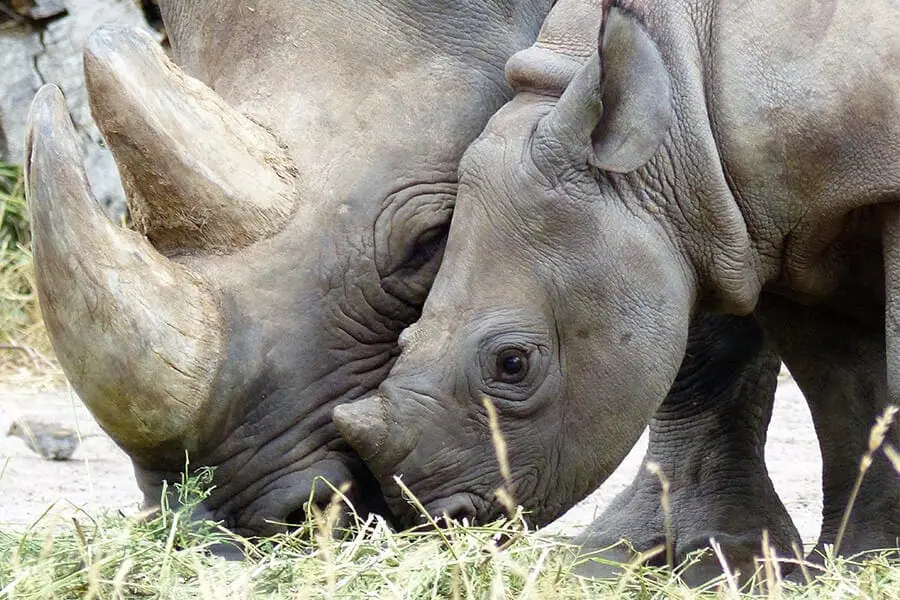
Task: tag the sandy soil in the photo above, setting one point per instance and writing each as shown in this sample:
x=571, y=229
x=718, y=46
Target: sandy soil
x=99, y=476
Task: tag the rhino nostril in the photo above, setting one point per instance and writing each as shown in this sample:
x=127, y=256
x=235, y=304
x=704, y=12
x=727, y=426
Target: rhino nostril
x=295, y=518
x=458, y=507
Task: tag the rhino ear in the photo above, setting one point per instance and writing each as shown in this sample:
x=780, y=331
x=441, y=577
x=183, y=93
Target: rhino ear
x=636, y=98
x=618, y=105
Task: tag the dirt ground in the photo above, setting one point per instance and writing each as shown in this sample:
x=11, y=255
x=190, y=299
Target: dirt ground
x=99, y=476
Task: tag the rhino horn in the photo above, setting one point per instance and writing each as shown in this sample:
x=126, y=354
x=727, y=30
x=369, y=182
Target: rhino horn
x=568, y=38
x=366, y=426
x=138, y=335
x=618, y=104
x=199, y=175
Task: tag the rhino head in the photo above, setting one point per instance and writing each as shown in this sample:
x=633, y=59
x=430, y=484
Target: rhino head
x=291, y=180
x=560, y=300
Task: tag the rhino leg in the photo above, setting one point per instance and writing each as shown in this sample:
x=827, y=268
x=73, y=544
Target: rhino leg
x=839, y=363
x=708, y=437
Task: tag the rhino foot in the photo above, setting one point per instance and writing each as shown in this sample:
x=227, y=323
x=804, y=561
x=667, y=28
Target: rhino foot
x=735, y=521
x=873, y=526
x=838, y=362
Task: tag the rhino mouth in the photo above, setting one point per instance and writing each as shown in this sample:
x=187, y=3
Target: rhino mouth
x=459, y=507
x=298, y=499
x=464, y=508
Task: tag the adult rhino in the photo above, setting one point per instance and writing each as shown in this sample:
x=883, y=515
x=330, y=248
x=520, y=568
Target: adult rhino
x=292, y=181
x=711, y=156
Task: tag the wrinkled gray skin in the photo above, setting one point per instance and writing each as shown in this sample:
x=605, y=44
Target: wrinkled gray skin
x=708, y=438
x=273, y=485
x=297, y=202
x=734, y=157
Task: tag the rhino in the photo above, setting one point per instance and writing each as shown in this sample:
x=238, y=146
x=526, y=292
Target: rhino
x=291, y=176
x=723, y=164
x=249, y=416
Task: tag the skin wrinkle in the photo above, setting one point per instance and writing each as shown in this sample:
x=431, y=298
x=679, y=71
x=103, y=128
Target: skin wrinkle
x=432, y=480
x=514, y=223
x=237, y=501
x=671, y=215
x=377, y=363
x=669, y=197
x=698, y=174
x=314, y=441
x=350, y=314
x=335, y=449
x=481, y=493
x=318, y=421
x=280, y=307
x=252, y=493
x=453, y=31
x=422, y=197
x=710, y=44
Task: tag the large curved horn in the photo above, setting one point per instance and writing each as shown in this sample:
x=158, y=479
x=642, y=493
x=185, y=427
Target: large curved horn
x=138, y=335
x=199, y=175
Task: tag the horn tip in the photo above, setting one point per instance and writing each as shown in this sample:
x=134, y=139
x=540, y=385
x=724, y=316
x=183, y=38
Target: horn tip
x=109, y=38
x=47, y=113
x=54, y=171
x=48, y=92
x=107, y=45
x=46, y=104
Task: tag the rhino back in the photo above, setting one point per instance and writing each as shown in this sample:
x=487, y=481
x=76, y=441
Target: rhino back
x=804, y=99
x=787, y=129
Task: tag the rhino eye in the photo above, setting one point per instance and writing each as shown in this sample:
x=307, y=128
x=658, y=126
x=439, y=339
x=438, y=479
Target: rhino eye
x=512, y=365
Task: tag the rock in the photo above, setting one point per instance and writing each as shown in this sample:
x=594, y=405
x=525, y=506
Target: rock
x=45, y=9
x=49, y=440
x=46, y=48
x=38, y=10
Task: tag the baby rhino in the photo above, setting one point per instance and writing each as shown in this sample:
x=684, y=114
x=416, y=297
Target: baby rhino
x=729, y=156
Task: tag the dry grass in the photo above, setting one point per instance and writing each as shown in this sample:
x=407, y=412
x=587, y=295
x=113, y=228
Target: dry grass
x=25, y=353
x=167, y=556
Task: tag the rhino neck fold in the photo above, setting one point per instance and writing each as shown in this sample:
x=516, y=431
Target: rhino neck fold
x=685, y=186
